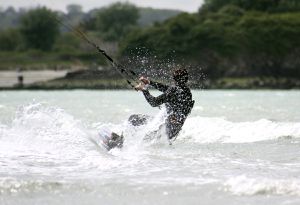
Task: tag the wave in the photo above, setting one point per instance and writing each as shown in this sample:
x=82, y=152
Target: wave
x=54, y=141
x=212, y=130
x=48, y=139
x=243, y=185
x=14, y=186
x=37, y=125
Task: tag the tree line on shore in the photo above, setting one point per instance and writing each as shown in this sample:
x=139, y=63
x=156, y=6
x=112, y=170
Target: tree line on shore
x=34, y=37
x=225, y=38
x=228, y=38
x=108, y=24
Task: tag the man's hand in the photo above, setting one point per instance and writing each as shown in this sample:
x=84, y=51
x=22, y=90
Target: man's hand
x=146, y=81
x=140, y=87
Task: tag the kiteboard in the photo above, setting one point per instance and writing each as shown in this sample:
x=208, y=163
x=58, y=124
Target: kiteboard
x=108, y=139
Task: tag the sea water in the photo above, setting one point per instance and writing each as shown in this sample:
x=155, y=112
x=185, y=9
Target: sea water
x=236, y=147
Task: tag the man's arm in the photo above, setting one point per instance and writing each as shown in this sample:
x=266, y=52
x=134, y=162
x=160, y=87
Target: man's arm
x=159, y=86
x=155, y=101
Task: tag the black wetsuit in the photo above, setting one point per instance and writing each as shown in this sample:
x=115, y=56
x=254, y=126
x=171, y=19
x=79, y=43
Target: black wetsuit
x=178, y=101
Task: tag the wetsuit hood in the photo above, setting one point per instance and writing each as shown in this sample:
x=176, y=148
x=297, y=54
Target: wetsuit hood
x=181, y=77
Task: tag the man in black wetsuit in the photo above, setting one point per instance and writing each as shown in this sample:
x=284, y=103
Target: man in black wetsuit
x=177, y=98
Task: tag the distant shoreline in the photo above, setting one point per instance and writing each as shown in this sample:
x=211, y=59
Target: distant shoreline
x=108, y=80
x=124, y=86
x=128, y=89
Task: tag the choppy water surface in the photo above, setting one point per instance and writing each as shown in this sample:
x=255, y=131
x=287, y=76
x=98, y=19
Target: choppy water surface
x=237, y=147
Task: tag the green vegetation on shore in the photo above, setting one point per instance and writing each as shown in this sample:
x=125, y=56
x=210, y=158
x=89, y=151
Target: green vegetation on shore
x=29, y=39
x=227, y=39
x=226, y=44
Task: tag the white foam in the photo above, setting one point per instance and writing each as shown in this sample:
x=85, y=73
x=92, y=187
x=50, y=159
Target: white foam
x=46, y=137
x=243, y=185
x=40, y=125
x=210, y=130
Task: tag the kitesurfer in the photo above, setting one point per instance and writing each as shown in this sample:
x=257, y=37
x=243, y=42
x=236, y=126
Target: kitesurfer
x=177, y=98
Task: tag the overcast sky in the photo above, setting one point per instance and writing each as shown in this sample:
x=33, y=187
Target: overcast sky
x=185, y=5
